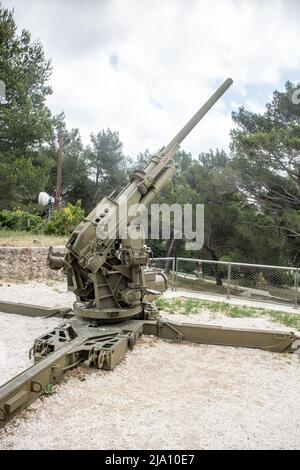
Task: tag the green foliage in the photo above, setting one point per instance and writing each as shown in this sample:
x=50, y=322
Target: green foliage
x=106, y=162
x=279, y=278
x=49, y=390
x=287, y=319
x=63, y=222
x=161, y=303
x=265, y=149
x=190, y=306
x=75, y=181
x=19, y=220
x=26, y=123
x=237, y=312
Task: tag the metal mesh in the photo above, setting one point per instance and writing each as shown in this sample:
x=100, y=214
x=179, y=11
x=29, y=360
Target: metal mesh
x=263, y=283
x=204, y=276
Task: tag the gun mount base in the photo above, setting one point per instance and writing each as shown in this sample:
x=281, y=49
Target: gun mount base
x=145, y=311
x=109, y=315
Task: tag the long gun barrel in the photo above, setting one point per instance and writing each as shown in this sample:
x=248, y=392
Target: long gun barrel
x=199, y=115
x=152, y=172
x=169, y=151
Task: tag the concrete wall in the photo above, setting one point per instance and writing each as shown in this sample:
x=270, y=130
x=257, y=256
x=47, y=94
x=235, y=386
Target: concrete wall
x=27, y=263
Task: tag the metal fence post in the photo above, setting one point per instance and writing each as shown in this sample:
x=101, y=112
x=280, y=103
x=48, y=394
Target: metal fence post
x=296, y=287
x=176, y=271
x=228, y=281
x=173, y=275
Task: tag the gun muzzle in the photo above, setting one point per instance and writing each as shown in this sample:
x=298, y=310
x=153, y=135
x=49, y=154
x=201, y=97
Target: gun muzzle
x=199, y=115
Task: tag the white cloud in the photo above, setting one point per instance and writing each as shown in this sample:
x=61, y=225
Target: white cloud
x=144, y=67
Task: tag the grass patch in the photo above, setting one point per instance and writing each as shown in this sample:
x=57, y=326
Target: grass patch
x=287, y=319
x=12, y=238
x=237, y=312
x=193, y=306
x=49, y=390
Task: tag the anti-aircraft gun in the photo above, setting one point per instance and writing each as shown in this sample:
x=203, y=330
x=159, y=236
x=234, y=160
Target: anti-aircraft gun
x=106, y=258
x=106, y=266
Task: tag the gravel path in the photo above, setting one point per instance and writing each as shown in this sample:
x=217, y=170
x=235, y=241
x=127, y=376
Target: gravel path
x=161, y=396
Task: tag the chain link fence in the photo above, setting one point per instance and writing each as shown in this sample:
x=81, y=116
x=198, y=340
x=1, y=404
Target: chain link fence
x=275, y=284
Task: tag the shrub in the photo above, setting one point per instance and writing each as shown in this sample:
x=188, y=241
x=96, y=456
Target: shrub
x=279, y=278
x=18, y=219
x=63, y=222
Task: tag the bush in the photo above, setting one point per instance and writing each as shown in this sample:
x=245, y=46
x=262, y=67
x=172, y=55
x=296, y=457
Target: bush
x=280, y=278
x=18, y=219
x=63, y=222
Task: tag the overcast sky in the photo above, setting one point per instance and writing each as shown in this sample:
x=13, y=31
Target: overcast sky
x=143, y=67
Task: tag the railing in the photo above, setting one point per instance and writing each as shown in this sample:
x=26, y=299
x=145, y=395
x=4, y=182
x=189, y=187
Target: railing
x=274, y=284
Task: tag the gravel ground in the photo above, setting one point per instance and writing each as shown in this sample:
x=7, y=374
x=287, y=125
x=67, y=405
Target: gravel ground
x=50, y=294
x=18, y=332
x=161, y=396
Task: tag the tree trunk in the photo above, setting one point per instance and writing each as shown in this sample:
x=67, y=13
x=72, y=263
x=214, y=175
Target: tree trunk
x=217, y=274
x=172, y=250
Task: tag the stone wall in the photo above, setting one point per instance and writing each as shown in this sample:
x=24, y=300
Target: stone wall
x=27, y=263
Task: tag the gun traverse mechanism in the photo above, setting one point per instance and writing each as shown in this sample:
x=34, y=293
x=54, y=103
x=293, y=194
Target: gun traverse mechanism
x=108, y=273
x=105, y=269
